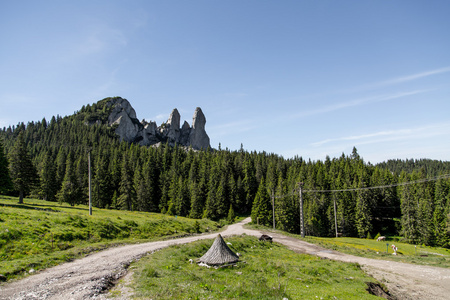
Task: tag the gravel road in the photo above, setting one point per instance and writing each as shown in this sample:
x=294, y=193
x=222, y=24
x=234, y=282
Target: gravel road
x=92, y=276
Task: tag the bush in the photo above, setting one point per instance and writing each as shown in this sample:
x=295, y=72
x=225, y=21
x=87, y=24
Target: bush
x=196, y=226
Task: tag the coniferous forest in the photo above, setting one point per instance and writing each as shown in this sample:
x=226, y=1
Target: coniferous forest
x=49, y=160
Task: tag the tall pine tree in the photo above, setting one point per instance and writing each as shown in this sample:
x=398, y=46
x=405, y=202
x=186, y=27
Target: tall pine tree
x=48, y=186
x=5, y=179
x=126, y=190
x=70, y=189
x=262, y=206
x=22, y=170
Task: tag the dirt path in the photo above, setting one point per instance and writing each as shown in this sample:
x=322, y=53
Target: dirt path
x=89, y=277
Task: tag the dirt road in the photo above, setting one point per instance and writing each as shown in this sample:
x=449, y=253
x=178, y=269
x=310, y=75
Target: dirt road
x=90, y=277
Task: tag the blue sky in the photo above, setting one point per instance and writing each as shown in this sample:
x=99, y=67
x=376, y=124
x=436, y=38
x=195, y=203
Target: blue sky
x=306, y=78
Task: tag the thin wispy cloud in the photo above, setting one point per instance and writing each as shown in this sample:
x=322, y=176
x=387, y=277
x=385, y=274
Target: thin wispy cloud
x=389, y=135
x=416, y=76
x=398, y=80
x=356, y=102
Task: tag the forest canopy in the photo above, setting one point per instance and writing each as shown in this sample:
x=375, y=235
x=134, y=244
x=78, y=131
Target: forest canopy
x=216, y=183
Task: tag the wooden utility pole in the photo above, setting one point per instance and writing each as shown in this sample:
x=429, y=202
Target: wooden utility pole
x=89, y=167
x=273, y=209
x=302, y=223
x=335, y=217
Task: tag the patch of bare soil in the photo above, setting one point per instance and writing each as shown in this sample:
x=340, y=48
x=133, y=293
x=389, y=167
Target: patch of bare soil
x=377, y=290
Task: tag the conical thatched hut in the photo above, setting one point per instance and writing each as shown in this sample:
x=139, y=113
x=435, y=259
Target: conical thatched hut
x=219, y=254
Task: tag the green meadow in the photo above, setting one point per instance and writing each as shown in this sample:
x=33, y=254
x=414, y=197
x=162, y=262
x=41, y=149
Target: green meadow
x=407, y=253
x=265, y=271
x=370, y=248
x=39, y=234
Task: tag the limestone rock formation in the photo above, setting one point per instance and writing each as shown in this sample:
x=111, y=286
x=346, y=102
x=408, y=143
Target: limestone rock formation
x=124, y=115
x=198, y=137
x=172, y=127
x=148, y=133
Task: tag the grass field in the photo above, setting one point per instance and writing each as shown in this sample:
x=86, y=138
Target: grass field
x=370, y=248
x=265, y=271
x=39, y=234
x=408, y=253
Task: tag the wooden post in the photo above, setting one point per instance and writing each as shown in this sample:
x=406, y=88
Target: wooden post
x=273, y=209
x=89, y=166
x=302, y=223
x=335, y=217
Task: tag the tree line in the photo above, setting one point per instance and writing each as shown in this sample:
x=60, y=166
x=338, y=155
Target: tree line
x=49, y=160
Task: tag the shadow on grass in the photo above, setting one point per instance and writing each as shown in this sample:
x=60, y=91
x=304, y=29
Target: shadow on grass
x=43, y=207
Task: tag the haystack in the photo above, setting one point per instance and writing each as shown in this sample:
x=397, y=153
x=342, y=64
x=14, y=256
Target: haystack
x=219, y=254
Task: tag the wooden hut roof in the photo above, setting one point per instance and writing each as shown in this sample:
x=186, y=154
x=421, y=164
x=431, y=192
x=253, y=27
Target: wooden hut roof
x=219, y=254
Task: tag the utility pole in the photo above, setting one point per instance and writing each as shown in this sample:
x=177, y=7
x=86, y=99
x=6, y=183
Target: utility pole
x=273, y=209
x=89, y=167
x=302, y=223
x=335, y=217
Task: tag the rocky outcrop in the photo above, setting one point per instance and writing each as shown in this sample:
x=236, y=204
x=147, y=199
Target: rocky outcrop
x=198, y=137
x=124, y=116
x=128, y=127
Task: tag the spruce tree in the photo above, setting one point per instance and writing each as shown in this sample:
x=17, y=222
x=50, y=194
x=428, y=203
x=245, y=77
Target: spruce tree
x=250, y=185
x=182, y=202
x=101, y=187
x=409, y=209
x=363, y=212
x=60, y=166
x=151, y=173
x=440, y=214
x=5, y=179
x=139, y=187
x=196, y=202
x=126, y=189
x=425, y=202
x=23, y=172
x=70, y=190
x=231, y=215
x=48, y=184
x=262, y=206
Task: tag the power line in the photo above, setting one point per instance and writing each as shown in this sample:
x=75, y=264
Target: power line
x=295, y=193
x=302, y=230
x=379, y=187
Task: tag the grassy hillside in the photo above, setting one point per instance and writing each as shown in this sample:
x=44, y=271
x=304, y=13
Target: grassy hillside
x=265, y=271
x=39, y=234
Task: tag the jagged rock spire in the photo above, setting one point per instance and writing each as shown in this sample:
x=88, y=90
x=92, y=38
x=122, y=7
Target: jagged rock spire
x=174, y=119
x=147, y=133
x=198, y=138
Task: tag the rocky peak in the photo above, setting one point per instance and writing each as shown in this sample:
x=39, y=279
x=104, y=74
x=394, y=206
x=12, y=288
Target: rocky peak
x=198, y=120
x=121, y=107
x=198, y=138
x=174, y=119
x=124, y=115
x=148, y=133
